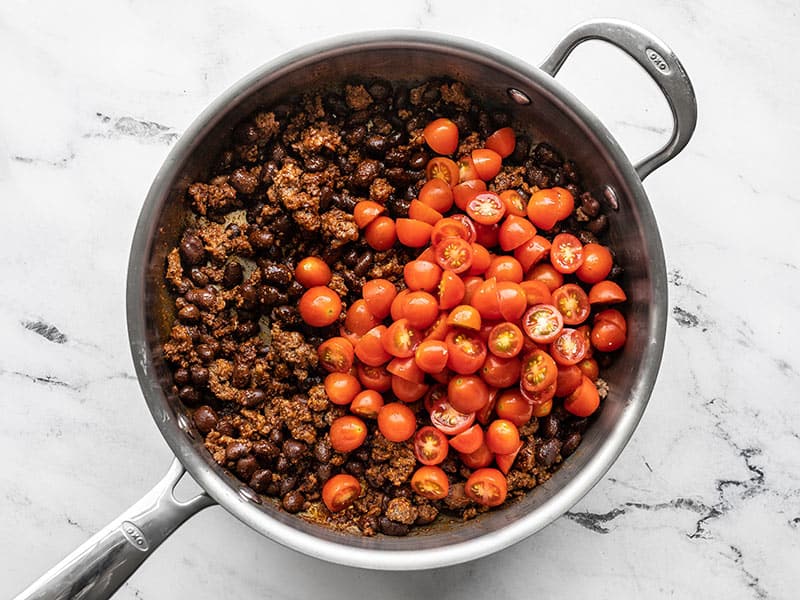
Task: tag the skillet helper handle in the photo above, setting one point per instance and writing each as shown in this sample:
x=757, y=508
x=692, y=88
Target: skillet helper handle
x=660, y=63
x=106, y=560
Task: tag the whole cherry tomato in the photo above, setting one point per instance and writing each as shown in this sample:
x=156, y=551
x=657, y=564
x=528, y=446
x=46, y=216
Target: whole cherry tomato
x=320, y=306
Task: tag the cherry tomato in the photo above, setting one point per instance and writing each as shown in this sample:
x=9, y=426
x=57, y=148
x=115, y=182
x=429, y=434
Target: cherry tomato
x=597, y=263
x=514, y=203
x=430, y=446
x=607, y=336
x=538, y=371
x=505, y=268
x=514, y=232
x=422, y=212
x=543, y=408
x=481, y=259
x=468, y=441
x=567, y=380
x=435, y=394
x=482, y=457
x=584, y=400
x=487, y=163
x=431, y=356
x=451, y=290
x=347, y=433
x=532, y=251
x=336, y=354
x=381, y=234
x=506, y=461
x=366, y=211
x=401, y=339
x=569, y=348
x=502, y=436
x=438, y=331
x=484, y=415
x=487, y=487
x=341, y=388
x=406, y=368
x=486, y=300
x=374, y=378
x=545, y=273
x=606, y=292
x=466, y=352
x=447, y=419
x=359, y=319
x=312, y=271
x=536, y=292
x=542, y=323
x=466, y=169
x=449, y=228
x=513, y=406
x=589, y=367
x=566, y=253
x=413, y=233
x=437, y=194
x=454, y=254
x=349, y=335
x=469, y=226
x=367, y=404
x=613, y=315
x=501, y=372
x=430, y=482
x=369, y=348
x=320, y=306
x=512, y=300
x=420, y=309
x=467, y=393
x=398, y=305
x=378, y=295
x=421, y=275
x=441, y=135
x=486, y=208
x=503, y=141
x=442, y=168
x=408, y=391
x=464, y=192
x=505, y=340
x=487, y=235
x=547, y=207
x=465, y=316
x=538, y=398
x=340, y=491
x=396, y=422
x=471, y=285
x=572, y=302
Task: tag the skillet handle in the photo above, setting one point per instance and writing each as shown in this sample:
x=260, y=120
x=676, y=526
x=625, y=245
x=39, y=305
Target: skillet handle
x=660, y=63
x=106, y=560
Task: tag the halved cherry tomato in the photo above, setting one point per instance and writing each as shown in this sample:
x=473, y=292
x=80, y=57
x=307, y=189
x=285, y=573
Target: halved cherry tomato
x=501, y=372
x=484, y=415
x=481, y=259
x=487, y=163
x=381, y=234
x=447, y=228
x=399, y=303
x=487, y=487
x=451, y=290
x=514, y=202
x=340, y=491
x=349, y=335
x=320, y=306
x=514, y=232
x=505, y=268
x=378, y=295
x=347, y=433
x=502, y=436
x=569, y=348
x=465, y=316
x=421, y=275
x=482, y=457
x=336, y=354
x=467, y=393
x=430, y=446
x=396, y=422
x=511, y=299
x=466, y=169
x=312, y=271
x=469, y=226
x=506, y=461
x=542, y=323
x=505, y=340
x=486, y=235
x=590, y=368
x=532, y=251
x=366, y=211
x=514, y=407
x=572, y=302
x=597, y=263
x=468, y=441
x=454, y=254
x=486, y=300
x=439, y=329
x=413, y=233
x=442, y=168
x=430, y=482
x=374, y=378
x=341, y=388
x=441, y=135
x=471, y=285
x=547, y=207
x=422, y=212
x=567, y=380
x=566, y=253
x=538, y=371
x=466, y=190
x=431, y=356
x=466, y=352
x=359, y=319
x=420, y=309
x=503, y=141
x=545, y=273
x=607, y=336
x=606, y=292
x=367, y=404
x=400, y=339
x=538, y=398
x=536, y=292
x=406, y=368
x=584, y=400
x=437, y=194
x=408, y=391
x=486, y=208
x=613, y=315
x=435, y=394
x=447, y=419
x=369, y=348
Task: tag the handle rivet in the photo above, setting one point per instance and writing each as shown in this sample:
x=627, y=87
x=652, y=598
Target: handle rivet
x=249, y=495
x=518, y=96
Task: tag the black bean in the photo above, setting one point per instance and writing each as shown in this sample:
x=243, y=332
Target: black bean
x=189, y=394
x=546, y=154
x=226, y=427
x=380, y=90
x=199, y=375
x=570, y=443
x=293, y=502
x=261, y=480
x=282, y=464
x=397, y=157
x=589, y=205
x=355, y=468
x=261, y=239
x=270, y=296
x=355, y=135
x=200, y=279
x=376, y=144
x=232, y=275
x=399, y=207
x=361, y=453
x=253, y=397
x=389, y=527
x=294, y=450
x=287, y=484
x=276, y=436
x=401, y=97
x=364, y=263
x=418, y=160
x=281, y=224
x=315, y=163
x=276, y=274
x=265, y=450
x=205, y=418
x=245, y=133
x=549, y=426
x=205, y=353
x=287, y=314
x=236, y=450
x=323, y=451
x=249, y=294
x=189, y=313
x=191, y=249
x=431, y=95
x=547, y=453
x=246, y=467
x=182, y=376
x=352, y=281
x=366, y=172
x=587, y=237
x=205, y=297
x=324, y=472
x=243, y=181
x=598, y=225
x=350, y=258
x=397, y=176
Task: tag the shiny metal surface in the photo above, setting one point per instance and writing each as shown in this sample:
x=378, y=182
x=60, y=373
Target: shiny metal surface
x=552, y=114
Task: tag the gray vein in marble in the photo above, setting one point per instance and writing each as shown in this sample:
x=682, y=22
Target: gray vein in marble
x=60, y=163
x=46, y=330
x=137, y=128
x=643, y=127
x=751, y=580
x=676, y=278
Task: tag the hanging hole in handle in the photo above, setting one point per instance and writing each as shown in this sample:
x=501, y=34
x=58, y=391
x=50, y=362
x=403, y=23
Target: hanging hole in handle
x=186, y=489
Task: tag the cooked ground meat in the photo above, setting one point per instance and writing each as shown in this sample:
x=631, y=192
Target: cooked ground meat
x=244, y=363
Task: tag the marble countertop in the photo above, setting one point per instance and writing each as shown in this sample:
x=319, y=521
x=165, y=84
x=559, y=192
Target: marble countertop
x=704, y=501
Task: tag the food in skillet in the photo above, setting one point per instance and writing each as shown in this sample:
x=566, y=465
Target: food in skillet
x=390, y=306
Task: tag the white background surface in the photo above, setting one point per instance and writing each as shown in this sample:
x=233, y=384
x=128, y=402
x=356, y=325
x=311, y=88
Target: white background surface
x=704, y=501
